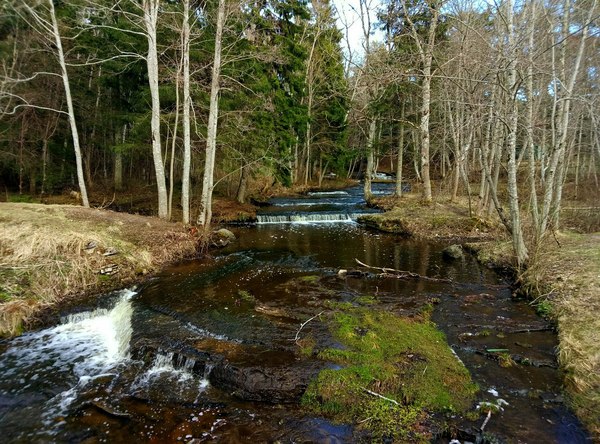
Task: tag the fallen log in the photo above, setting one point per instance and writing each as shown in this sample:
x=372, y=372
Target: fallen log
x=401, y=274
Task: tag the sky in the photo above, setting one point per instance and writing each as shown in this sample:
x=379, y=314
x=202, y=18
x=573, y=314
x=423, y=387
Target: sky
x=349, y=12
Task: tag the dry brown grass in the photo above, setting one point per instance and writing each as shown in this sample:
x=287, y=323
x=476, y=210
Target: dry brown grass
x=567, y=275
x=440, y=219
x=43, y=257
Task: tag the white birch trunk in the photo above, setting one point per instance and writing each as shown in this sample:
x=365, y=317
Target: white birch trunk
x=513, y=198
x=370, y=159
x=187, y=102
x=72, y=121
x=151, y=8
x=211, y=140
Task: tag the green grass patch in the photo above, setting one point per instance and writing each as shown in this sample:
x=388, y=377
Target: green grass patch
x=366, y=300
x=405, y=360
x=21, y=198
x=310, y=278
x=246, y=296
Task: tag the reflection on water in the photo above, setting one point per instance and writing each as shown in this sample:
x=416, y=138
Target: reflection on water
x=237, y=314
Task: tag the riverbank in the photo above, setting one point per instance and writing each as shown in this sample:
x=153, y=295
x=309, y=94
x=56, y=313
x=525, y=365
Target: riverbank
x=49, y=253
x=440, y=220
x=563, y=282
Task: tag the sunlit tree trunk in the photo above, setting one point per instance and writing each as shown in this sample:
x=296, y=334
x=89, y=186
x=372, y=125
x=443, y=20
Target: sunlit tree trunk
x=400, y=159
x=370, y=159
x=425, y=49
x=187, y=103
x=211, y=140
x=151, y=8
x=513, y=118
x=71, y=111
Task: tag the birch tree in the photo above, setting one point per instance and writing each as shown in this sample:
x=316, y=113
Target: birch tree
x=187, y=151
x=425, y=50
x=205, y=214
x=150, y=11
x=41, y=17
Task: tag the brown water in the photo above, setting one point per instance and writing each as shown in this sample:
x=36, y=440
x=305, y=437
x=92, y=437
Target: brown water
x=152, y=368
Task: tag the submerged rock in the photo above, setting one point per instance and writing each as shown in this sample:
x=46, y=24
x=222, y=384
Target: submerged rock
x=453, y=252
x=222, y=237
x=265, y=384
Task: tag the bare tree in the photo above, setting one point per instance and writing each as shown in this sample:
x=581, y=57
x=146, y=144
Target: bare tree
x=205, y=214
x=425, y=49
x=150, y=10
x=41, y=17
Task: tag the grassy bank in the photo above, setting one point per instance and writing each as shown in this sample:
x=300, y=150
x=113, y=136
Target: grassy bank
x=440, y=220
x=566, y=283
x=49, y=252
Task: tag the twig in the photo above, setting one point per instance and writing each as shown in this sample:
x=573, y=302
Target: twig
x=401, y=274
x=487, y=418
x=302, y=326
x=393, y=401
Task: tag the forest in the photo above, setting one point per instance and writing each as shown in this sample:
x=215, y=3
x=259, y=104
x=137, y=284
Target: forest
x=495, y=102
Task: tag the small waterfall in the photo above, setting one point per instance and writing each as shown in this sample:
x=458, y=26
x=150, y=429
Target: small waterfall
x=57, y=362
x=307, y=218
x=328, y=193
x=173, y=370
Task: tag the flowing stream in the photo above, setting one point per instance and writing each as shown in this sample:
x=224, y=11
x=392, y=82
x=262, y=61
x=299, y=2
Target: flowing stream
x=205, y=351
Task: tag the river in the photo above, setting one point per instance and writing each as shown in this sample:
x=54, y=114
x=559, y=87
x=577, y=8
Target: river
x=205, y=351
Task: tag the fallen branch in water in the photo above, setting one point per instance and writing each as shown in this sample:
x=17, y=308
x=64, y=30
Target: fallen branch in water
x=297, y=337
x=393, y=401
x=487, y=418
x=400, y=274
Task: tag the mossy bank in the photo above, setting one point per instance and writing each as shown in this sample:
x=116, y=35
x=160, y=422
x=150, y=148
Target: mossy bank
x=392, y=373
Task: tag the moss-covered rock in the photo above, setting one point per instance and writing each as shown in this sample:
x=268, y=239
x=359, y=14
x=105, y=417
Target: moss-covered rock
x=406, y=361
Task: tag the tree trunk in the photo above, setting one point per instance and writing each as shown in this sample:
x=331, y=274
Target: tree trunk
x=151, y=8
x=211, y=139
x=424, y=127
x=72, y=121
x=370, y=155
x=241, y=192
x=400, y=159
x=513, y=199
x=187, y=102
x=173, y=146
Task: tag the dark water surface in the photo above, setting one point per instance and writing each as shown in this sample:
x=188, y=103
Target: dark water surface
x=134, y=370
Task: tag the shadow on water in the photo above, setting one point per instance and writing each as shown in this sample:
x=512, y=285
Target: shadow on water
x=206, y=350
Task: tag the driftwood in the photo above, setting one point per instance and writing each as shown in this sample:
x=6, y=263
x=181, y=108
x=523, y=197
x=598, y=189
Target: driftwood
x=400, y=274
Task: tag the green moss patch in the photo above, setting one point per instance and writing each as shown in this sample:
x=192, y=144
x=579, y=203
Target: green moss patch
x=407, y=361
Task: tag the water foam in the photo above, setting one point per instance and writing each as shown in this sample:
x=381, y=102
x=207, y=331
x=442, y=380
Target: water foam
x=66, y=357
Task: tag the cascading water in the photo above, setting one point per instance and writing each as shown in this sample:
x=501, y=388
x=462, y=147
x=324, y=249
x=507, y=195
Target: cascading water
x=320, y=207
x=53, y=364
